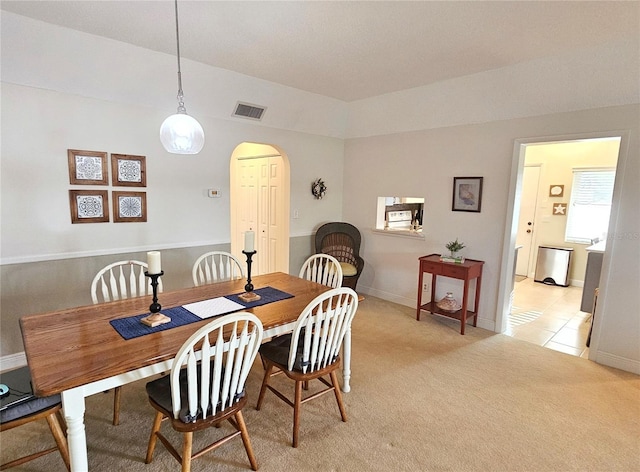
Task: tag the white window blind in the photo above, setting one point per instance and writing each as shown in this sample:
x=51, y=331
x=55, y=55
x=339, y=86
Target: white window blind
x=590, y=205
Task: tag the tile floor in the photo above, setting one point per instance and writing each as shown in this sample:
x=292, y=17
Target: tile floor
x=549, y=316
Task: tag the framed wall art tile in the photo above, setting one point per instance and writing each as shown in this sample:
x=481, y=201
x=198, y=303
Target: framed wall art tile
x=87, y=167
x=129, y=207
x=89, y=206
x=556, y=190
x=560, y=209
x=128, y=171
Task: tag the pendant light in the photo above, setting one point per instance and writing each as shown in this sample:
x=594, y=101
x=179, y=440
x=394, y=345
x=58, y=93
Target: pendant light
x=181, y=133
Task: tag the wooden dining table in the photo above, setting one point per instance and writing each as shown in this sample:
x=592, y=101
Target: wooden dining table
x=76, y=352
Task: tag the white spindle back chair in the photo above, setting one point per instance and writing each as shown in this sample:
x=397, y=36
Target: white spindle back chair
x=323, y=269
x=312, y=350
x=120, y=280
x=207, y=384
x=216, y=266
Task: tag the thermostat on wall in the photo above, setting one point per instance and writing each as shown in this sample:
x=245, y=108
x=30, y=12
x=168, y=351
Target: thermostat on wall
x=214, y=193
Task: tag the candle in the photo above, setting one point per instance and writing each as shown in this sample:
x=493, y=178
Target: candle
x=248, y=241
x=153, y=262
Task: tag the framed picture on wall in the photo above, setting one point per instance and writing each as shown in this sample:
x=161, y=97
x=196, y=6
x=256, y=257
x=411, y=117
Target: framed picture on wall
x=556, y=190
x=128, y=171
x=87, y=167
x=89, y=206
x=129, y=207
x=467, y=194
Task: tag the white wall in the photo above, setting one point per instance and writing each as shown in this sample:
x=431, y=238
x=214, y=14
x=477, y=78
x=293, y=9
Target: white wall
x=62, y=89
x=424, y=163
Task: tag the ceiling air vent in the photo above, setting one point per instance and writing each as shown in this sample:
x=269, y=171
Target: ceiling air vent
x=245, y=110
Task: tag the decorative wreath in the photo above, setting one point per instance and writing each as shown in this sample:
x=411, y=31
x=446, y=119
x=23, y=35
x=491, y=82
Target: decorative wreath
x=318, y=189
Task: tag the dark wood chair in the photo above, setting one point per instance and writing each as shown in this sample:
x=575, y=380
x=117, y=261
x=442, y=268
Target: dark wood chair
x=342, y=241
x=34, y=409
x=312, y=351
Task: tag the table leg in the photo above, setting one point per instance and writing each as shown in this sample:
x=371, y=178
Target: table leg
x=419, y=295
x=73, y=407
x=477, y=299
x=346, y=361
x=465, y=305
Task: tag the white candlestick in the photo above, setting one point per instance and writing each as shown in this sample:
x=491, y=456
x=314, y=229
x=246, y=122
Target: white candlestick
x=249, y=240
x=153, y=262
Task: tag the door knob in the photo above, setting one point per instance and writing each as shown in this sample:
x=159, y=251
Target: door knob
x=529, y=223
x=528, y=231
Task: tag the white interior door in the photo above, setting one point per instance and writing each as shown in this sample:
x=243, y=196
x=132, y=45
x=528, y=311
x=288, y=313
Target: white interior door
x=260, y=204
x=271, y=214
x=526, y=224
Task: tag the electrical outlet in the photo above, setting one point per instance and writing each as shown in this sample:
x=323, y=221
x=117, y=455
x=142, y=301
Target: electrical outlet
x=425, y=286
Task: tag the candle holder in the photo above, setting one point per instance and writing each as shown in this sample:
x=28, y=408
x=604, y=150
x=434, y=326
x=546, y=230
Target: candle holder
x=249, y=295
x=155, y=318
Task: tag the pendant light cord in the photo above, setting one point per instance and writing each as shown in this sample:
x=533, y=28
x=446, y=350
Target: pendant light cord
x=181, y=107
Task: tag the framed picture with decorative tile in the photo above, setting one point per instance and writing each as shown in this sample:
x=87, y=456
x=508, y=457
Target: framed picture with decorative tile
x=87, y=167
x=89, y=206
x=129, y=207
x=128, y=171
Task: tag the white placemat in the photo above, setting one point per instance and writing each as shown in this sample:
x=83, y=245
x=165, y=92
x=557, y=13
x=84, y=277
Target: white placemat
x=213, y=307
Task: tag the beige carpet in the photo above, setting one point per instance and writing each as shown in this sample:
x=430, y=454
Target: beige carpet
x=424, y=398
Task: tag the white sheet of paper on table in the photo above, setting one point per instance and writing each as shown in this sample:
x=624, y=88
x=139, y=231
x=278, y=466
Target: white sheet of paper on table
x=213, y=307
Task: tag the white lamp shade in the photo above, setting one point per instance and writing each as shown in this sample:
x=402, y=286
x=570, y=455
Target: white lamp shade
x=182, y=134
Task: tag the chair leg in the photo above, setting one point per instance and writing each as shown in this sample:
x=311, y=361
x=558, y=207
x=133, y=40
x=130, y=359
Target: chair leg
x=265, y=382
x=186, y=451
x=116, y=405
x=336, y=390
x=296, y=413
x=245, y=439
x=153, y=438
x=58, y=436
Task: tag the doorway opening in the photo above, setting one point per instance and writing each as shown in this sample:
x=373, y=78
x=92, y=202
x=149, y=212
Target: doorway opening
x=541, y=185
x=259, y=200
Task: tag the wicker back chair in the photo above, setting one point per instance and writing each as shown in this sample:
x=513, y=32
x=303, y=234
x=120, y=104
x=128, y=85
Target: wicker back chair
x=342, y=241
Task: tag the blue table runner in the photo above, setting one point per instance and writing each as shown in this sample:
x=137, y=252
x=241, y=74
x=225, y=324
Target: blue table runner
x=131, y=326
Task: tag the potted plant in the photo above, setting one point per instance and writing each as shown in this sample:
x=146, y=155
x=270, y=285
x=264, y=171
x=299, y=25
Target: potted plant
x=454, y=247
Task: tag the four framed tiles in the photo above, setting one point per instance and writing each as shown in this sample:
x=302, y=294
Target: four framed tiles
x=92, y=206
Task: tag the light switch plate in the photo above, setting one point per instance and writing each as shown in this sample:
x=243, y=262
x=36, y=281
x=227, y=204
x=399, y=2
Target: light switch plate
x=214, y=193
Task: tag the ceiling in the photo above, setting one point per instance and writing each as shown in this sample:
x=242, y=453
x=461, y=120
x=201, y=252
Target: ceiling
x=350, y=50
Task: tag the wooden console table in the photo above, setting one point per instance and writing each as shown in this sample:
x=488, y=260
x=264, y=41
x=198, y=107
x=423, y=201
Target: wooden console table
x=470, y=269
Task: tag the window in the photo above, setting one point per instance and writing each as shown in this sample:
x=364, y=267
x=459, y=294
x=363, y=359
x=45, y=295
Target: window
x=590, y=204
x=400, y=214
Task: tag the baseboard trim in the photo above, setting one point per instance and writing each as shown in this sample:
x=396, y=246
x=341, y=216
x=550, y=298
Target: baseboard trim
x=611, y=360
x=13, y=361
x=483, y=323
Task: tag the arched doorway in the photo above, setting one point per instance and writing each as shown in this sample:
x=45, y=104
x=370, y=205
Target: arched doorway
x=259, y=199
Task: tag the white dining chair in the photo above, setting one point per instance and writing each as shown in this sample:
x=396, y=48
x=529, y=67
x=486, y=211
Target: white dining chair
x=311, y=351
x=118, y=281
x=216, y=266
x=323, y=269
x=207, y=386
